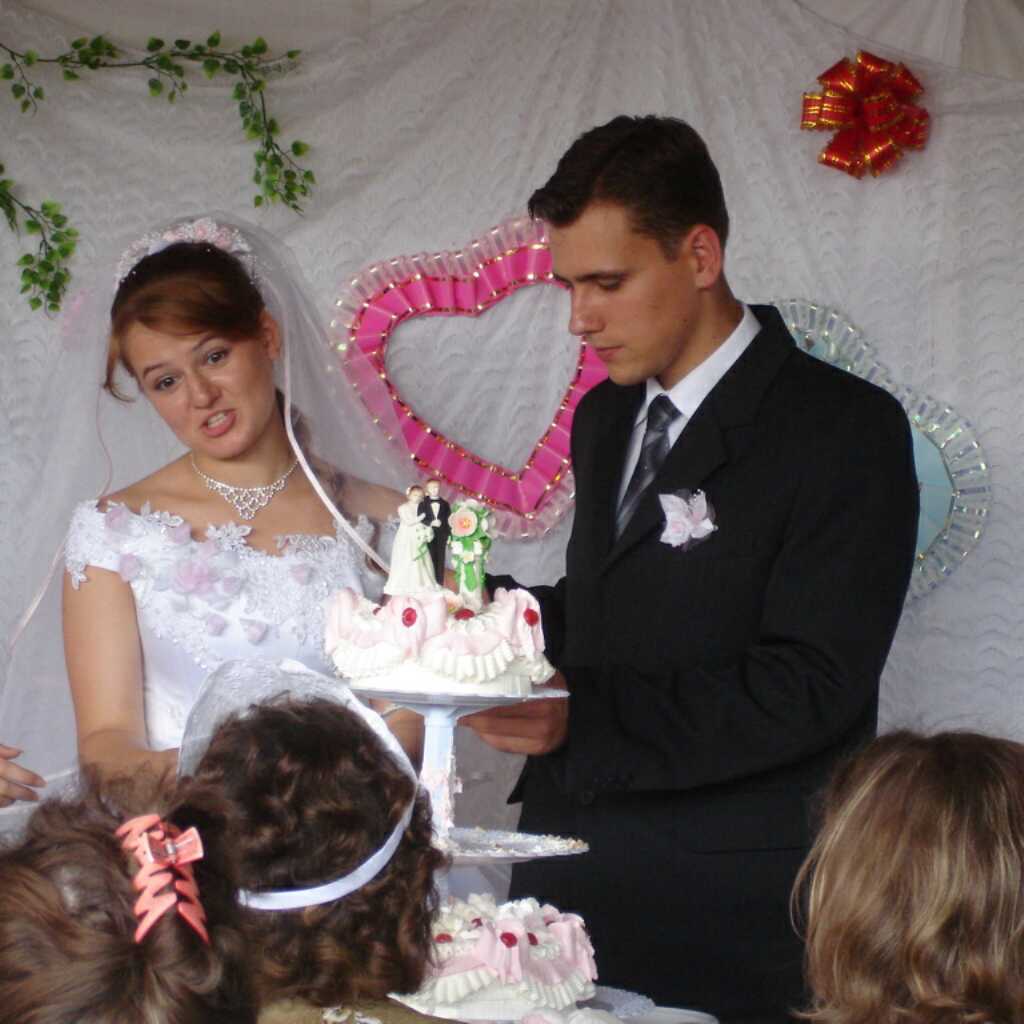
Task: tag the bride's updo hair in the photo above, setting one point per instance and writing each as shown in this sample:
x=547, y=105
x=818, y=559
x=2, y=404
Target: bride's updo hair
x=317, y=793
x=67, y=924
x=184, y=289
x=913, y=891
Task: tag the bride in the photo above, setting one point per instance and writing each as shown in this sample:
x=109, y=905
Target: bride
x=230, y=549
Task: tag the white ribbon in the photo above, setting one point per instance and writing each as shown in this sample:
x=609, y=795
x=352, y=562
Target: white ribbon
x=294, y=899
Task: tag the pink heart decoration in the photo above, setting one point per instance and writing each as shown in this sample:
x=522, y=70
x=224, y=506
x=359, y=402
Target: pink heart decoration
x=467, y=282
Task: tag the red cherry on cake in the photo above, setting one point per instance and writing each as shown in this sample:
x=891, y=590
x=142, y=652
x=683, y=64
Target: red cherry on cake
x=409, y=617
x=508, y=939
x=532, y=618
x=532, y=938
x=465, y=613
x=443, y=937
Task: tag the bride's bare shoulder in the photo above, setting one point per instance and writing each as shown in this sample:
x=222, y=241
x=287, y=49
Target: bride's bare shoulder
x=160, y=489
x=361, y=498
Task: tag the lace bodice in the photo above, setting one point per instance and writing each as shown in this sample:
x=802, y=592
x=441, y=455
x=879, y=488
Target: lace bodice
x=201, y=603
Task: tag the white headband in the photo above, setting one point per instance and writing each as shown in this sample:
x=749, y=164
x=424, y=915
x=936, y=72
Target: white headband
x=232, y=689
x=294, y=899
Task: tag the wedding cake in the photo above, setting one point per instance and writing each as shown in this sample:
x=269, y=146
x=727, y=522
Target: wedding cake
x=426, y=639
x=508, y=962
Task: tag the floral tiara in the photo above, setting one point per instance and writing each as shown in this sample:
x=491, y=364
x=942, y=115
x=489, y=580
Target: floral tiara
x=205, y=229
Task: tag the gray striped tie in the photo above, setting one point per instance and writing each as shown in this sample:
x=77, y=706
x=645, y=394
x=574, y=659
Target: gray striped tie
x=660, y=415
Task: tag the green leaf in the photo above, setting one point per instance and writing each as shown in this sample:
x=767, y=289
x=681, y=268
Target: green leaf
x=155, y=87
x=178, y=69
x=246, y=51
x=182, y=44
x=213, y=41
x=238, y=93
x=18, y=90
x=258, y=85
x=35, y=302
x=292, y=54
x=259, y=45
x=299, y=148
x=232, y=67
x=272, y=126
x=164, y=62
x=77, y=44
x=26, y=105
x=153, y=44
x=70, y=76
x=32, y=226
x=308, y=176
x=257, y=200
x=50, y=208
x=37, y=92
x=30, y=57
x=59, y=219
x=211, y=67
x=6, y=72
x=257, y=178
x=27, y=260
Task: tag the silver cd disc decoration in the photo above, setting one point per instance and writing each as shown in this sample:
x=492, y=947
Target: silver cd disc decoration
x=952, y=472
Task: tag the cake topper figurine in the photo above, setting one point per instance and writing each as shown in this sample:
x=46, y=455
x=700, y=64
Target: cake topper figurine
x=435, y=512
x=412, y=568
x=470, y=543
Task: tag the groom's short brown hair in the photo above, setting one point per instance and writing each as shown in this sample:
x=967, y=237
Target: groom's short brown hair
x=657, y=167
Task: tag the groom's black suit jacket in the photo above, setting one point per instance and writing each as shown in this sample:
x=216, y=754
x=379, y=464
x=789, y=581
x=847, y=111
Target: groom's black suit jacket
x=714, y=688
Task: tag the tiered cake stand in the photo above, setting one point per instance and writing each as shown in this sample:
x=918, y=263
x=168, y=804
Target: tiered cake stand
x=467, y=846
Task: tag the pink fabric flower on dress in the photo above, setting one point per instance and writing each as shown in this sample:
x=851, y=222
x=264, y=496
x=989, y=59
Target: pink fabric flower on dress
x=195, y=576
x=215, y=624
x=118, y=519
x=180, y=534
x=129, y=568
x=302, y=573
x=688, y=518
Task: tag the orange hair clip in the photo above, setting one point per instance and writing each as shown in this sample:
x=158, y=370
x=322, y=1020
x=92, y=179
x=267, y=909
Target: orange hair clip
x=165, y=856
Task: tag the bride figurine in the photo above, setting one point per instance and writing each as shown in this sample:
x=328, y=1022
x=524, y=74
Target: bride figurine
x=412, y=567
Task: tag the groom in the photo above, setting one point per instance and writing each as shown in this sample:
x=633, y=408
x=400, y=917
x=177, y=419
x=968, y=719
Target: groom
x=435, y=511
x=744, y=534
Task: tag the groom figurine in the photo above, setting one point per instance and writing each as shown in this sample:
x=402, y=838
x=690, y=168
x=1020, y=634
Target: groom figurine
x=435, y=511
x=743, y=538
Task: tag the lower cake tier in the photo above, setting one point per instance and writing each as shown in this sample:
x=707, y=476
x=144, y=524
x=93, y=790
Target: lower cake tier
x=504, y=963
x=430, y=644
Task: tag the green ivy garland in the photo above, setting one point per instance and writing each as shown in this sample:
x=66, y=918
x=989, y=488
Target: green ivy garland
x=277, y=175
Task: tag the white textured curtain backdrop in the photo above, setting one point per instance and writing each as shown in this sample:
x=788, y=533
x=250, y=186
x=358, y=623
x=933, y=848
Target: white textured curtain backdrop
x=430, y=125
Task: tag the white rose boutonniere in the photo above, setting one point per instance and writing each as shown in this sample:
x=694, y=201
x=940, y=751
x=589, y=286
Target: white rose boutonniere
x=689, y=518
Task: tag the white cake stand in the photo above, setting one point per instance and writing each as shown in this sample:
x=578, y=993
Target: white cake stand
x=441, y=712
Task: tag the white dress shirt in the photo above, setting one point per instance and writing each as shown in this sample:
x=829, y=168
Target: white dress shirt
x=687, y=394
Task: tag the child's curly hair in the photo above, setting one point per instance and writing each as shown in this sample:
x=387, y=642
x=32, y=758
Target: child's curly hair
x=67, y=924
x=317, y=793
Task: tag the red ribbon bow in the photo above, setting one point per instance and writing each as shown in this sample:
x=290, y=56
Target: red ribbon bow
x=867, y=103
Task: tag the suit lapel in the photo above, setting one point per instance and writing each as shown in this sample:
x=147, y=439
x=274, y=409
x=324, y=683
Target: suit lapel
x=607, y=453
x=701, y=448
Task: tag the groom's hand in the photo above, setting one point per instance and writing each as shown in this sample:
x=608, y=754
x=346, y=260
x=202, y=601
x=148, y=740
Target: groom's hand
x=531, y=727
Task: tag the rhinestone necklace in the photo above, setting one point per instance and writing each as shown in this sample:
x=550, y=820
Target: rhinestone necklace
x=246, y=501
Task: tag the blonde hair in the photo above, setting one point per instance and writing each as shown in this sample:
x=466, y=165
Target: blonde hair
x=913, y=888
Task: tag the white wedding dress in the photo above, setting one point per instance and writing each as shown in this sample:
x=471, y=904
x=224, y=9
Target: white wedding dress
x=201, y=603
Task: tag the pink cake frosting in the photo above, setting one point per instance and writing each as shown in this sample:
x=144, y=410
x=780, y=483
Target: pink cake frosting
x=503, y=962
x=430, y=643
